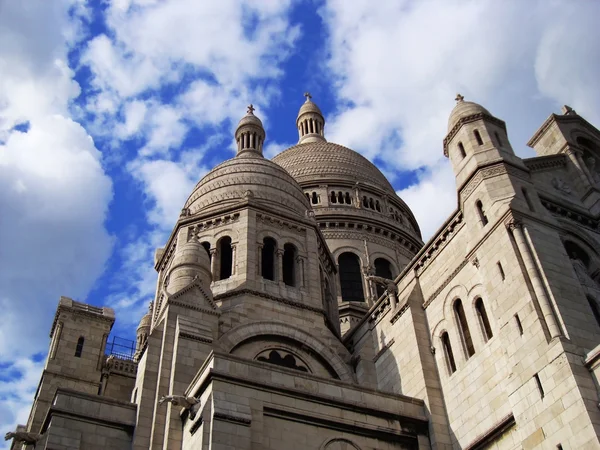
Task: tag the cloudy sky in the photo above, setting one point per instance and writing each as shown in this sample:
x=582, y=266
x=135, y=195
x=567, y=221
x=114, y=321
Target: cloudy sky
x=110, y=112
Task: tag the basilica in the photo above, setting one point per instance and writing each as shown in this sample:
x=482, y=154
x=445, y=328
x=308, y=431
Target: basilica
x=297, y=307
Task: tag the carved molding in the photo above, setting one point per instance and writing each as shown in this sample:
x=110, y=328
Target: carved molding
x=399, y=312
x=543, y=163
x=445, y=283
x=195, y=337
x=567, y=213
x=440, y=241
x=383, y=349
x=291, y=303
x=233, y=419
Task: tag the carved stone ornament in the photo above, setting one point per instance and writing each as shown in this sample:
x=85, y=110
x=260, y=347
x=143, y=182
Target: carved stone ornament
x=23, y=437
x=188, y=403
x=561, y=185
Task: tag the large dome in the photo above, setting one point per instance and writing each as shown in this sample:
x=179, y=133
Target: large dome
x=326, y=161
x=248, y=176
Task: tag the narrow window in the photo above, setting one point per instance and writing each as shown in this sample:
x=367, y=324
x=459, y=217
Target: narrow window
x=383, y=269
x=448, y=353
x=461, y=149
x=377, y=207
x=315, y=198
x=498, y=140
x=226, y=257
x=464, y=328
x=268, y=259
x=347, y=198
x=307, y=196
x=79, y=347
x=501, y=271
x=527, y=199
x=481, y=212
x=536, y=377
x=595, y=309
x=519, y=324
x=340, y=197
x=206, y=246
x=371, y=205
x=478, y=137
x=351, y=278
x=333, y=197
x=483, y=319
x=289, y=264
x=559, y=447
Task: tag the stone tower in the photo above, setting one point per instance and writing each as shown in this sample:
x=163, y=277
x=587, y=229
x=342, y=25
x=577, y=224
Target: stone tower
x=367, y=227
x=76, y=355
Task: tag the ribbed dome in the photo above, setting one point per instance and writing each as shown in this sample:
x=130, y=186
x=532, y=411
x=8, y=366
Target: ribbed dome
x=326, y=161
x=464, y=109
x=309, y=107
x=248, y=176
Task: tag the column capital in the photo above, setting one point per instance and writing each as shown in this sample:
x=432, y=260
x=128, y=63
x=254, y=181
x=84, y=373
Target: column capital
x=513, y=224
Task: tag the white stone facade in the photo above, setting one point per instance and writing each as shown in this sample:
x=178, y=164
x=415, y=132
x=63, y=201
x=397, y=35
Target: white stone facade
x=269, y=318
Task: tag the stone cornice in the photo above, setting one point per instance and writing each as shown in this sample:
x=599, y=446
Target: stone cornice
x=284, y=301
x=232, y=419
x=554, y=118
x=445, y=283
x=493, y=169
x=581, y=217
x=542, y=163
x=383, y=349
x=91, y=312
x=468, y=119
x=483, y=440
x=439, y=241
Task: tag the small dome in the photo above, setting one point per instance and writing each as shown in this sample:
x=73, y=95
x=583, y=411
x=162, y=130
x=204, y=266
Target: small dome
x=190, y=262
x=191, y=254
x=250, y=134
x=310, y=122
x=464, y=109
x=309, y=107
x=250, y=119
x=145, y=322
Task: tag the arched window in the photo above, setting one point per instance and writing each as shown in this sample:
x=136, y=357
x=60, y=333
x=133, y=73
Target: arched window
x=481, y=212
x=448, y=353
x=478, y=137
x=340, y=197
x=206, y=246
x=576, y=252
x=333, y=197
x=483, y=320
x=79, y=347
x=461, y=149
x=315, y=198
x=351, y=278
x=594, y=305
x=347, y=198
x=527, y=199
x=289, y=264
x=307, y=196
x=226, y=257
x=383, y=269
x=377, y=207
x=498, y=140
x=463, y=326
x=371, y=205
x=365, y=202
x=268, y=259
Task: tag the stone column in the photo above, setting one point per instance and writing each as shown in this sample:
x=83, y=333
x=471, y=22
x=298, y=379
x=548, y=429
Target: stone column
x=300, y=271
x=233, y=258
x=577, y=161
x=213, y=263
x=279, y=262
x=517, y=229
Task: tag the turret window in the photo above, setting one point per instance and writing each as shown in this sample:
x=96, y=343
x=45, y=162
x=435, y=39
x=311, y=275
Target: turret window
x=347, y=199
x=351, y=278
x=498, y=140
x=463, y=327
x=333, y=198
x=315, y=198
x=450, y=363
x=383, y=268
x=79, y=348
x=206, y=246
x=225, y=257
x=478, y=137
x=483, y=320
x=268, y=259
x=289, y=264
x=461, y=149
x=481, y=212
x=340, y=197
x=377, y=207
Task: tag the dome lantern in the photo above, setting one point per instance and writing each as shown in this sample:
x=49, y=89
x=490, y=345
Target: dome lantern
x=250, y=134
x=310, y=122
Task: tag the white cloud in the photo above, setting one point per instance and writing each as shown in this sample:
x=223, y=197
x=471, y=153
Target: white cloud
x=398, y=66
x=54, y=194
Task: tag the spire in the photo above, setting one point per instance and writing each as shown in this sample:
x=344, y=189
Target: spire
x=250, y=134
x=310, y=122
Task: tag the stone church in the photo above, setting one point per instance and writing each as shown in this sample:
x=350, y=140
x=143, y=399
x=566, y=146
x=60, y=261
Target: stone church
x=297, y=307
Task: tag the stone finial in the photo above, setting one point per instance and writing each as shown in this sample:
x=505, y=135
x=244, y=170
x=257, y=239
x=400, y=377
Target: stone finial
x=308, y=96
x=459, y=98
x=568, y=111
x=251, y=109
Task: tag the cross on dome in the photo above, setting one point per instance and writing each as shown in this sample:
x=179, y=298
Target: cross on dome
x=251, y=109
x=308, y=96
x=459, y=98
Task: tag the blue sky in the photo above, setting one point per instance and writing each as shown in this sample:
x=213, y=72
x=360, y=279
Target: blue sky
x=111, y=111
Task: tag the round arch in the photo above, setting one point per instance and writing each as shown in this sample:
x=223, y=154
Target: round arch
x=233, y=338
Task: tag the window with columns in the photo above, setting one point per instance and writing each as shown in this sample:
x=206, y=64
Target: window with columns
x=225, y=257
x=268, y=258
x=351, y=278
